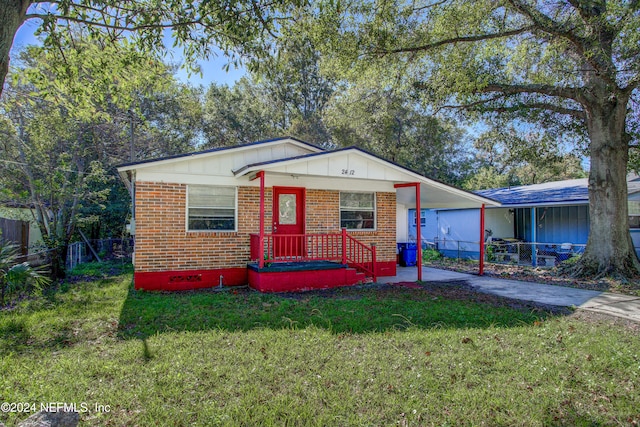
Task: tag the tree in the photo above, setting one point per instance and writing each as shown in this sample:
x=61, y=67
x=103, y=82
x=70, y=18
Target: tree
x=168, y=119
x=288, y=96
x=565, y=66
x=196, y=26
x=238, y=115
x=505, y=157
x=63, y=136
x=297, y=89
x=392, y=124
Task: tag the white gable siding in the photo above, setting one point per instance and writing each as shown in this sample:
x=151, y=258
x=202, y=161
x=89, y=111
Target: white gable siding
x=217, y=166
x=352, y=166
x=374, y=171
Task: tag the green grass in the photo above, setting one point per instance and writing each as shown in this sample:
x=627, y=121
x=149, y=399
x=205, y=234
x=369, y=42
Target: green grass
x=347, y=357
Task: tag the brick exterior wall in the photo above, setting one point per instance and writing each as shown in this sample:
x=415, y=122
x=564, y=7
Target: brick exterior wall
x=163, y=244
x=323, y=216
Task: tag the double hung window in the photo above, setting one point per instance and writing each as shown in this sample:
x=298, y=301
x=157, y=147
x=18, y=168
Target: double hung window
x=211, y=208
x=357, y=211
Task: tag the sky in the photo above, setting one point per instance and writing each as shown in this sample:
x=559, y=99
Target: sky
x=212, y=70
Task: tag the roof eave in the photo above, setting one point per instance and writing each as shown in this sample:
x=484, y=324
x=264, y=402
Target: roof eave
x=415, y=177
x=199, y=154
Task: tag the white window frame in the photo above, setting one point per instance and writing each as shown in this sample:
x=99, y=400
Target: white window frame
x=235, y=210
x=374, y=210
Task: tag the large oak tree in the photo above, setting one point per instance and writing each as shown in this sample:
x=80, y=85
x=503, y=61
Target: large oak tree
x=566, y=66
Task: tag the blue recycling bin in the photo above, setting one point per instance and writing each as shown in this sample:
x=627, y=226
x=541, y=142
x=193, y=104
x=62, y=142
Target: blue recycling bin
x=408, y=254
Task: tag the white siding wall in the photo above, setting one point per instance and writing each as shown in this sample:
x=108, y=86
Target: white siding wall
x=401, y=224
x=463, y=225
x=500, y=221
x=431, y=227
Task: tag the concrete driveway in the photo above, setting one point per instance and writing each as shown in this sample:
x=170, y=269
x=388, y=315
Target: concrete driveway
x=624, y=306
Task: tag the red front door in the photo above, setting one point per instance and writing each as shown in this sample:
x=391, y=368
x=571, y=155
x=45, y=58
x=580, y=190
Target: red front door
x=288, y=221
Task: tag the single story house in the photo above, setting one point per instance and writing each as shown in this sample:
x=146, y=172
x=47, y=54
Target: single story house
x=279, y=214
x=551, y=214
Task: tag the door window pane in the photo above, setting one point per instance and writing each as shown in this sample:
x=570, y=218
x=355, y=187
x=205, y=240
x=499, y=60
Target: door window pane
x=287, y=209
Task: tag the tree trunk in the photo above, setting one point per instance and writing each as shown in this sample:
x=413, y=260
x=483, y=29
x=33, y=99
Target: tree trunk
x=609, y=249
x=12, y=13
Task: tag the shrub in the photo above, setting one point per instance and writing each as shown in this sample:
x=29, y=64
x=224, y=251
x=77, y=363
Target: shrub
x=572, y=260
x=431, y=254
x=16, y=277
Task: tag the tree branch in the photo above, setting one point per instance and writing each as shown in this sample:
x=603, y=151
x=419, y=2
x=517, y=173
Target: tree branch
x=632, y=84
x=258, y=13
x=254, y=7
x=584, y=47
x=429, y=6
x=560, y=92
x=115, y=26
x=586, y=12
x=460, y=39
x=578, y=114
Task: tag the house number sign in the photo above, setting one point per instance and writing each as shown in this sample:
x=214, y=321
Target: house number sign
x=186, y=278
x=348, y=172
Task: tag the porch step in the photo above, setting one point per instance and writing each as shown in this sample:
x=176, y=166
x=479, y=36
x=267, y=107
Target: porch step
x=360, y=277
x=301, y=276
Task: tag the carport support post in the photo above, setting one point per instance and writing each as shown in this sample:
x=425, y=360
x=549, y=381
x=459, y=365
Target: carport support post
x=481, y=268
x=419, y=231
x=418, y=224
x=534, y=247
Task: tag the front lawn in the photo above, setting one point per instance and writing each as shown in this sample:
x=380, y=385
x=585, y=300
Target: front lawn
x=358, y=356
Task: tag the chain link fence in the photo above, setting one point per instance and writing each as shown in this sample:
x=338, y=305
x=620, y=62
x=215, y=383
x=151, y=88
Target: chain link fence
x=512, y=252
x=106, y=249
x=37, y=259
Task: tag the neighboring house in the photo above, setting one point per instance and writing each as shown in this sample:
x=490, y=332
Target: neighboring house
x=553, y=213
x=278, y=214
x=18, y=226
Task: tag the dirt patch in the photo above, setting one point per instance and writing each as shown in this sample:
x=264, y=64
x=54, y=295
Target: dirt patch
x=595, y=317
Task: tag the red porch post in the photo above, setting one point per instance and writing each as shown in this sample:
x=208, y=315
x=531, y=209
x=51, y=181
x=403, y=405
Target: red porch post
x=418, y=224
x=374, y=258
x=419, y=231
x=260, y=175
x=481, y=268
x=344, y=246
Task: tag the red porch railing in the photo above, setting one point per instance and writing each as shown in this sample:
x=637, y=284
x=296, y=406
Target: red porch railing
x=339, y=247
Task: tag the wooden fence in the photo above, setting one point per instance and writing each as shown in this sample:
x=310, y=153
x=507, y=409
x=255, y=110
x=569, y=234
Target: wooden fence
x=15, y=231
